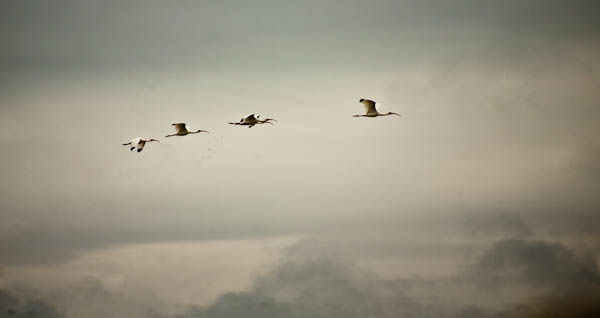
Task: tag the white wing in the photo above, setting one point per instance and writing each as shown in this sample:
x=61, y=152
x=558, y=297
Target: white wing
x=369, y=106
x=180, y=127
x=135, y=141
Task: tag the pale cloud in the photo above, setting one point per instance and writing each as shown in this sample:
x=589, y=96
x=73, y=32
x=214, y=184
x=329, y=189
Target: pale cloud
x=136, y=280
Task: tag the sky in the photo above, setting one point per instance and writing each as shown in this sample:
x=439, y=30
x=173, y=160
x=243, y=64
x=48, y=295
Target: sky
x=480, y=201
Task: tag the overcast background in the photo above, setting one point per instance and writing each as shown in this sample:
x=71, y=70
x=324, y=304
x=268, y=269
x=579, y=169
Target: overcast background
x=480, y=201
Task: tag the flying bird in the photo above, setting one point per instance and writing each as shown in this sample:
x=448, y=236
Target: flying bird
x=370, y=110
x=138, y=143
x=181, y=130
x=251, y=120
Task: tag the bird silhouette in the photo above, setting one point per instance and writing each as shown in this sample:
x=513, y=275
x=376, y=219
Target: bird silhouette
x=251, y=120
x=370, y=110
x=181, y=130
x=138, y=143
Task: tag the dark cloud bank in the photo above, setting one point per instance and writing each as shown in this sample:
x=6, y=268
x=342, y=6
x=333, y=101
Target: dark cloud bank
x=513, y=277
x=12, y=306
x=313, y=281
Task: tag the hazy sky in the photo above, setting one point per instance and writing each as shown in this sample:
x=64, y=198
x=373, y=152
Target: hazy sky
x=480, y=201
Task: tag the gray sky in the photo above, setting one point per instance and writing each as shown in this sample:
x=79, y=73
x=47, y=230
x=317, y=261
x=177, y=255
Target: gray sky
x=497, y=153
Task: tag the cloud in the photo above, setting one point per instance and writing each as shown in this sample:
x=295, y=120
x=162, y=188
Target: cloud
x=12, y=306
x=569, y=303
x=64, y=196
x=536, y=263
x=218, y=35
x=496, y=223
x=550, y=279
x=313, y=280
x=513, y=277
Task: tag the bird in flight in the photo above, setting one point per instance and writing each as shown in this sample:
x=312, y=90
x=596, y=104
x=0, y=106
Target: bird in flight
x=138, y=143
x=181, y=130
x=370, y=110
x=251, y=120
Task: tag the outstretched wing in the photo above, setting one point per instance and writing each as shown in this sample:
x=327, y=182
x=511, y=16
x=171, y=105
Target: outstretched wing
x=141, y=145
x=249, y=119
x=180, y=127
x=369, y=106
x=135, y=141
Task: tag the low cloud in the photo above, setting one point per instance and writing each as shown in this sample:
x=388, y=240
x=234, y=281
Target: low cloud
x=513, y=278
x=12, y=306
x=535, y=263
x=581, y=302
x=313, y=280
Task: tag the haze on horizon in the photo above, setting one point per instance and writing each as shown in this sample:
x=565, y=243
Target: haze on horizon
x=480, y=201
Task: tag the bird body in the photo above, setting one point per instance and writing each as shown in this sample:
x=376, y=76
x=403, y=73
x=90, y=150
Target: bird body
x=138, y=143
x=181, y=130
x=371, y=110
x=252, y=120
